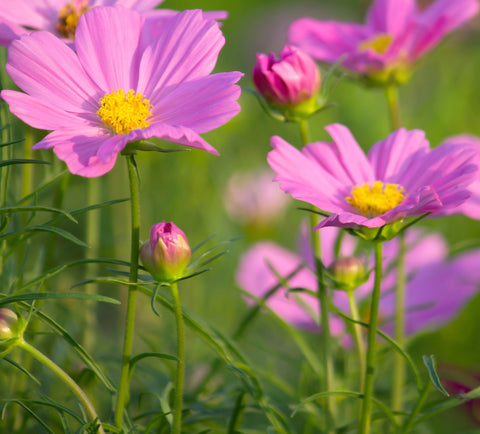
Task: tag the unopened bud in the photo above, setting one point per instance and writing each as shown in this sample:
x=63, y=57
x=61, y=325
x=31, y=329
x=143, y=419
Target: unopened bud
x=347, y=273
x=8, y=324
x=167, y=253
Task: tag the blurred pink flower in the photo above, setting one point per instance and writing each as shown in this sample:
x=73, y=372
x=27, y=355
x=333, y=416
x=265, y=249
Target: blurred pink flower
x=471, y=207
x=288, y=81
x=399, y=178
x=125, y=83
x=437, y=288
x=396, y=33
x=252, y=198
x=60, y=16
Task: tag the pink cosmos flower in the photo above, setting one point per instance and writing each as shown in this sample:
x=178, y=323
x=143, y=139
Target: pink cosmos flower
x=252, y=198
x=437, y=288
x=60, y=17
x=396, y=33
x=399, y=178
x=126, y=82
x=471, y=207
x=288, y=81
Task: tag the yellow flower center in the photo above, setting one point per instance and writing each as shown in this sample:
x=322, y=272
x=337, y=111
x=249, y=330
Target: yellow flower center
x=379, y=43
x=372, y=200
x=68, y=18
x=124, y=112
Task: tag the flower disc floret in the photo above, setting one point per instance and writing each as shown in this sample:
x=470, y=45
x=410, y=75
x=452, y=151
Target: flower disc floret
x=68, y=18
x=372, y=200
x=379, y=43
x=124, y=112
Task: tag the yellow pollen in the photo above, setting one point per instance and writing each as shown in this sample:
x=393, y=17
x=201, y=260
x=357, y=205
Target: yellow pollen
x=68, y=18
x=376, y=199
x=124, y=112
x=379, y=43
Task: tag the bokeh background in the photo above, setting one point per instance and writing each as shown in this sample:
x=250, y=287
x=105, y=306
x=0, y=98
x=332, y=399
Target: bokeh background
x=188, y=188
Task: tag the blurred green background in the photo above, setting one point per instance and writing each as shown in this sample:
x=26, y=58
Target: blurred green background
x=187, y=188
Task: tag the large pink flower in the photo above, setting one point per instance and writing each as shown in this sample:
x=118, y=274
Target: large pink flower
x=126, y=82
x=395, y=35
x=399, y=178
x=60, y=16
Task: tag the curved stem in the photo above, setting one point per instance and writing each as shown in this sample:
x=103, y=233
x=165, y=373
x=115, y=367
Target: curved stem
x=124, y=386
x=372, y=331
x=391, y=94
x=304, y=134
x=357, y=332
x=74, y=387
x=177, y=415
x=421, y=400
x=399, y=362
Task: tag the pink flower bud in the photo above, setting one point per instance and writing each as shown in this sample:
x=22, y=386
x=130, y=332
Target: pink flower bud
x=288, y=81
x=167, y=253
x=347, y=273
x=8, y=324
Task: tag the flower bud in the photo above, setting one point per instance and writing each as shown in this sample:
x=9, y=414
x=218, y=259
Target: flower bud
x=8, y=324
x=167, y=253
x=289, y=83
x=347, y=273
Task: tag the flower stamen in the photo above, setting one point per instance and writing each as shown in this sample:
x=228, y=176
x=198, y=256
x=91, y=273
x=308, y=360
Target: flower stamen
x=379, y=43
x=372, y=200
x=68, y=17
x=124, y=112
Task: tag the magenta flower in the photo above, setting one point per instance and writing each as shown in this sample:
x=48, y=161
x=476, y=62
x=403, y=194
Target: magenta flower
x=289, y=81
x=471, y=207
x=166, y=254
x=125, y=83
x=60, y=17
x=436, y=291
x=399, y=178
x=395, y=35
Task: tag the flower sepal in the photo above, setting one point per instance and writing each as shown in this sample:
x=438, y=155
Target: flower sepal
x=12, y=327
x=346, y=274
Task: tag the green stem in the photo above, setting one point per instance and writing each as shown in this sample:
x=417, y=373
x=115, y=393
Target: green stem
x=27, y=168
x=421, y=400
x=74, y=387
x=322, y=294
x=357, y=332
x=177, y=415
x=372, y=331
x=391, y=94
x=304, y=134
x=399, y=361
x=124, y=386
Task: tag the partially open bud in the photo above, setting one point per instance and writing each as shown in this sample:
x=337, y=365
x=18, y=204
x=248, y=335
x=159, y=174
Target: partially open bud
x=167, y=253
x=290, y=83
x=347, y=273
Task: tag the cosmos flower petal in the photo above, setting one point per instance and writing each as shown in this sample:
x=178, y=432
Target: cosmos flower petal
x=390, y=16
x=302, y=177
x=47, y=69
x=141, y=6
x=202, y=104
x=38, y=113
x=186, y=49
x=392, y=157
x=107, y=46
x=439, y=19
x=79, y=148
x=35, y=14
x=326, y=40
x=9, y=31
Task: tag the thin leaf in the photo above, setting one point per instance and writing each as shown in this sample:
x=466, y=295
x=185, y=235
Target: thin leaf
x=44, y=228
x=30, y=411
x=37, y=208
x=12, y=142
x=432, y=372
x=21, y=368
x=21, y=161
x=56, y=295
x=142, y=356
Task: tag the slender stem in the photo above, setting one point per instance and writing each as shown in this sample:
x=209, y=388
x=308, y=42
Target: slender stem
x=391, y=94
x=357, y=332
x=421, y=400
x=322, y=294
x=304, y=134
x=74, y=387
x=124, y=386
x=177, y=415
x=27, y=169
x=372, y=331
x=399, y=361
